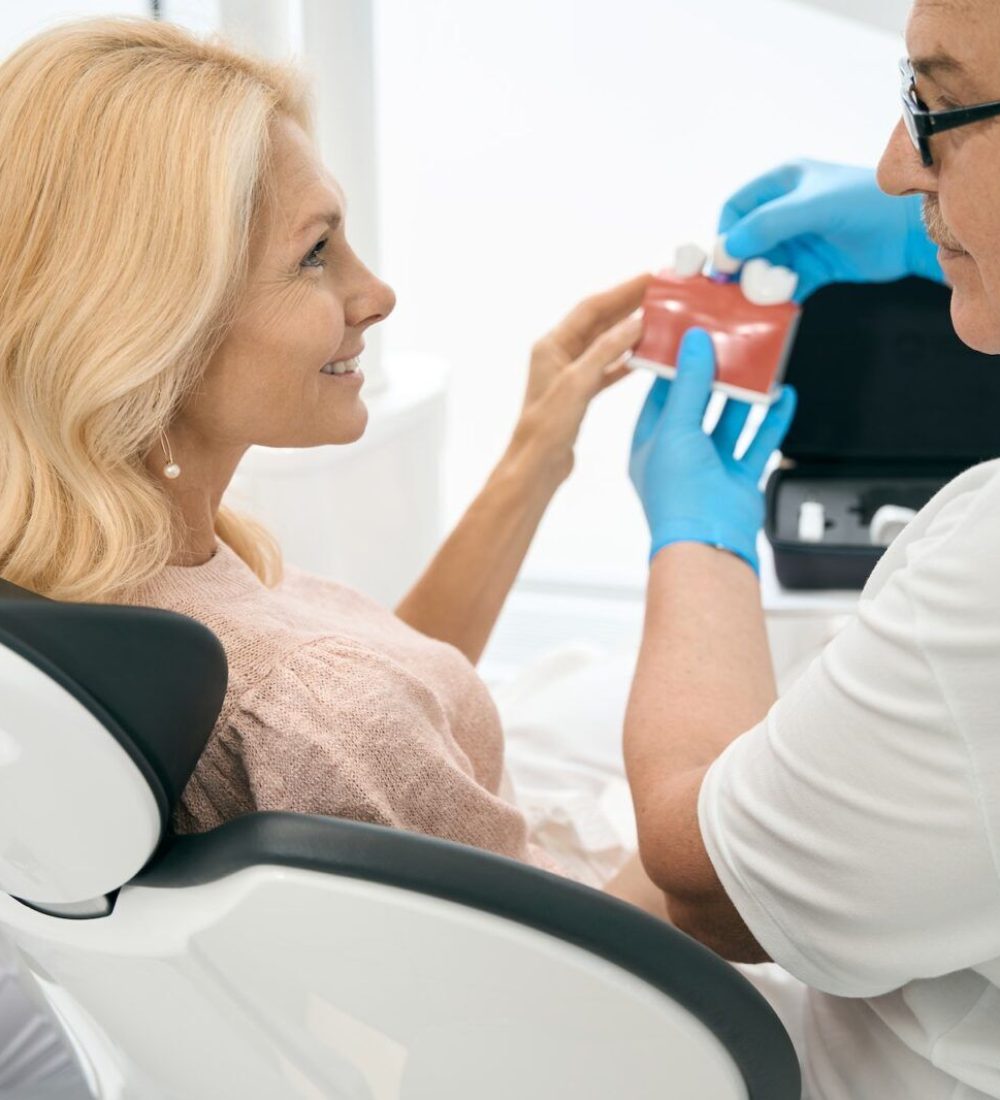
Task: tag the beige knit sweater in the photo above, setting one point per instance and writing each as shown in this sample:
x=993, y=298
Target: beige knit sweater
x=336, y=706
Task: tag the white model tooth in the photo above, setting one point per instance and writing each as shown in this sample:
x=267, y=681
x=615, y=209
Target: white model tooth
x=783, y=283
x=755, y=282
x=722, y=261
x=689, y=260
x=767, y=285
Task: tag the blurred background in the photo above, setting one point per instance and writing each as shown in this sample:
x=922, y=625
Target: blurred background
x=501, y=162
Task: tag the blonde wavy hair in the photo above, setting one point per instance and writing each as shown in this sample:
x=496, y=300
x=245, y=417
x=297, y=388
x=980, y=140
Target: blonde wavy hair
x=134, y=158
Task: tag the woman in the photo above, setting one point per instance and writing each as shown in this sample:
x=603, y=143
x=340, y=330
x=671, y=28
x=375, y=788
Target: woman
x=175, y=286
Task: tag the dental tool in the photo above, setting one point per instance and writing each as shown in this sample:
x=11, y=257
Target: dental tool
x=725, y=267
x=889, y=522
x=812, y=521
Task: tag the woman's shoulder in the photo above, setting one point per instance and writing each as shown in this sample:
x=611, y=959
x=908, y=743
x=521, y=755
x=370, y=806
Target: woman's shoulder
x=259, y=626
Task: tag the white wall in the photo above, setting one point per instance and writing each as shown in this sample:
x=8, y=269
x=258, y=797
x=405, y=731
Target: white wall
x=21, y=20
x=890, y=15
x=534, y=152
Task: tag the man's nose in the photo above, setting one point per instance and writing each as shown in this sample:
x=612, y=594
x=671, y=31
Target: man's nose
x=901, y=171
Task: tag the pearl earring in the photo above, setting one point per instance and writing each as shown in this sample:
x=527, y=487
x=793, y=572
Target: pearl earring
x=171, y=469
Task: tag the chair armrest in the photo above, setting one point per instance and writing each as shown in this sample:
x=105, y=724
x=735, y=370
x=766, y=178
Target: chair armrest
x=652, y=950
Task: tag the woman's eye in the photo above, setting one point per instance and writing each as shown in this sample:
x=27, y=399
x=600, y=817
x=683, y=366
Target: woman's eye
x=314, y=259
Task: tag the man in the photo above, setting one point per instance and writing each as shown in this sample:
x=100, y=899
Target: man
x=851, y=830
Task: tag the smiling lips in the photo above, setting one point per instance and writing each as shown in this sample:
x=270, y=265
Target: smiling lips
x=343, y=366
x=346, y=364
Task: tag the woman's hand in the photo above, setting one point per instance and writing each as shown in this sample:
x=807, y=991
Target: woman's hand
x=573, y=363
x=692, y=486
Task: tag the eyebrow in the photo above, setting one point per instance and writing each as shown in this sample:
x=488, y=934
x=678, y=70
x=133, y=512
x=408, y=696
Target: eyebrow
x=943, y=65
x=330, y=218
x=937, y=63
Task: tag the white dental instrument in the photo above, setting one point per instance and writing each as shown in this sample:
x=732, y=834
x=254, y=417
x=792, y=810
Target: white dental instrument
x=812, y=521
x=888, y=522
x=722, y=261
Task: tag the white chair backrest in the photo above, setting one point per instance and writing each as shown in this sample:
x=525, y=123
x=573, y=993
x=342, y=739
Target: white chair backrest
x=57, y=763
x=103, y=713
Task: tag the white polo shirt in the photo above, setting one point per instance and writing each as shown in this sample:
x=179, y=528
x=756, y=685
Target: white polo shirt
x=857, y=828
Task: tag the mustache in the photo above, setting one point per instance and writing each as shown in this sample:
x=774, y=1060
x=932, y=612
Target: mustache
x=936, y=227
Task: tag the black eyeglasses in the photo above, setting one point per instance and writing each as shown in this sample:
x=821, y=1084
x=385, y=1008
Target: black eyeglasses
x=923, y=124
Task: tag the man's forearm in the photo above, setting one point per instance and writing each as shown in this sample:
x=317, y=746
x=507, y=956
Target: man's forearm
x=462, y=591
x=703, y=677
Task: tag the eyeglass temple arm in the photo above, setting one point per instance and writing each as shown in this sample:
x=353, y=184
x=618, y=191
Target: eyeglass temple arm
x=936, y=122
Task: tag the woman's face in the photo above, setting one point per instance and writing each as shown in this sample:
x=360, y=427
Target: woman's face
x=308, y=303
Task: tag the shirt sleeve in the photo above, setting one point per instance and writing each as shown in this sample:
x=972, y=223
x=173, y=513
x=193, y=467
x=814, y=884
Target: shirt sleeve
x=342, y=730
x=851, y=827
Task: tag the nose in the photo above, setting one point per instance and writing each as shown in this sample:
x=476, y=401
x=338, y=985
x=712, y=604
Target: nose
x=372, y=301
x=901, y=171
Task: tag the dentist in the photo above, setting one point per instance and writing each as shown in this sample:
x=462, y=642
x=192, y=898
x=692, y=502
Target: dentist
x=849, y=831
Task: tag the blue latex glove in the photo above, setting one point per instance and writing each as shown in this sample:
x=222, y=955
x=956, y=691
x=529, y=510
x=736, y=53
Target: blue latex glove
x=829, y=223
x=691, y=486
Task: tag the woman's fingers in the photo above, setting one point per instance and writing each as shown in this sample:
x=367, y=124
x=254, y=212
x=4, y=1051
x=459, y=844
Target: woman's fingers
x=594, y=315
x=606, y=351
x=613, y=375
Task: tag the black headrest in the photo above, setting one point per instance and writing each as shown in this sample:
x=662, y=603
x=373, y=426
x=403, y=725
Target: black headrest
x=155, y=679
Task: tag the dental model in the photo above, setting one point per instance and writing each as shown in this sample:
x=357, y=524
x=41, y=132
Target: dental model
x=752, y=320
x=888, y=522
x=812, y=521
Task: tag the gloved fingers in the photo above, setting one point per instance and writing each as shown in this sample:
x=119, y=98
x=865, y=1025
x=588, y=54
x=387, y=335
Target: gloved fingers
x=771, y=433
x=693, y=385
x=729, y=426
x=771, y=225
x=764, y=189
x=818, y=262
x=649, y=415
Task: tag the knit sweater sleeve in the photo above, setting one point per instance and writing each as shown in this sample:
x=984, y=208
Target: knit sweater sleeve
x=338, y=728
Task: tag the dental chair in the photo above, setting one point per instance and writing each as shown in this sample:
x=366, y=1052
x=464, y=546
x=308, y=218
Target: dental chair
x=293, y=956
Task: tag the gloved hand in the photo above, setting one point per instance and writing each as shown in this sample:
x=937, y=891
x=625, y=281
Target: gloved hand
x=691, y=486
x=829, y=223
